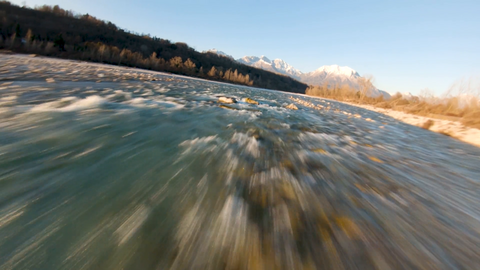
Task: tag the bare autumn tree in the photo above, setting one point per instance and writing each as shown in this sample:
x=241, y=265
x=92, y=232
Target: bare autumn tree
x=83, y=36
x=49, y=47
x=189, y=66
x=365, y=85
x=153, y=61
x=227, y=75
x=426, y=95
x=28, y=37
x=213, y=72
x=103, y=52
x=122, y=56
x=247, y=80
x=176, y=63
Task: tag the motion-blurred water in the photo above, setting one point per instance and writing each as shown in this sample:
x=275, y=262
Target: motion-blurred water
x=110, y=168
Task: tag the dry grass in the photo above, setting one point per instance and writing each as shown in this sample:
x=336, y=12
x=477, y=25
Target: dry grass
x=449, y=107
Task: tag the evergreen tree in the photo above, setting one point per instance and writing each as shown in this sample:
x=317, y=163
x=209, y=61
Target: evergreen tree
x=59, y=42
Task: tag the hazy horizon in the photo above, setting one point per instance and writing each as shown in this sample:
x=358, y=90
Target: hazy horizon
x=406, y=46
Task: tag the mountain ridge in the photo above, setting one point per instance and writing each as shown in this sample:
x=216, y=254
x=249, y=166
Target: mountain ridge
x=330, y=75
x=277, y=65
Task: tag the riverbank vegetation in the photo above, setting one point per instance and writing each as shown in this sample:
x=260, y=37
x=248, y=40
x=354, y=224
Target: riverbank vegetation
x=53, y=31
x=460, y=103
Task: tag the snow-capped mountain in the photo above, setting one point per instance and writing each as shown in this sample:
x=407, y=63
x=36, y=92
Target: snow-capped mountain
x=277, y=65
x=288, y=69
x=333, y=75
x=219, y=53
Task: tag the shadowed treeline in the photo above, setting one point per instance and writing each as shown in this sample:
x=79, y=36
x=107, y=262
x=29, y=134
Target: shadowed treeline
x=53, y=31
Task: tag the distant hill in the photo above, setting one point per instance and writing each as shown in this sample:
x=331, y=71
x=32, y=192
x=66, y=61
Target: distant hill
x=52, y=31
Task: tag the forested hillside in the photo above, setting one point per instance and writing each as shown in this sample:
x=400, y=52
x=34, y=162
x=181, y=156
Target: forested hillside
x=52, y=31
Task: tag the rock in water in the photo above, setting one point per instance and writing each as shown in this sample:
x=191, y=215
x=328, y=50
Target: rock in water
x=226, y=100
x=292, y=107
x=251, y=101
x=50, y=80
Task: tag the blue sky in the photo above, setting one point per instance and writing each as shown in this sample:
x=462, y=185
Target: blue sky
x=406, y=45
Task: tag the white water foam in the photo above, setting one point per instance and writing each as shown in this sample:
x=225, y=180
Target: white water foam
x=73, y=104
x=249, y=144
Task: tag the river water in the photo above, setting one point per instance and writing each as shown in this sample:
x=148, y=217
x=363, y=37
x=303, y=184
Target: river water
x=113, y=168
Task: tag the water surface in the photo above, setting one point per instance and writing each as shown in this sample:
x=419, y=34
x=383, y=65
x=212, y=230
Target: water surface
x=111, y=168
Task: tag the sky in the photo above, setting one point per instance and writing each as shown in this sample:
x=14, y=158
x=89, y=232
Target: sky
x=405, y=45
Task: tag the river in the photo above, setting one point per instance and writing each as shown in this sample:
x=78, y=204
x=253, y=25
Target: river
x=103, y=167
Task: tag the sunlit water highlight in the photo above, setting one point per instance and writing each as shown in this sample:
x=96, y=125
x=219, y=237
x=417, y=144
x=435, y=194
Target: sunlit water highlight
x=136, y=173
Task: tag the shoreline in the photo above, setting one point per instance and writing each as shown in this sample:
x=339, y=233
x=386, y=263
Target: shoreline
x=453, y=129
x=449, y=128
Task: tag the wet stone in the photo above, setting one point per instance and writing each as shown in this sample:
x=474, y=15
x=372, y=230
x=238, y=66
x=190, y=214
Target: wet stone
x=292, y=107
x=228, y=100
x=251, y=101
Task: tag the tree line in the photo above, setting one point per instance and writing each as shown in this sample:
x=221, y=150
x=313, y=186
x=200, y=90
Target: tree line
x=53, y=31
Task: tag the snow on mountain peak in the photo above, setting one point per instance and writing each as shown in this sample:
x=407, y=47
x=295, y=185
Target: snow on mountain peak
x=332, y=75
x=264, y=58
x=289, y=70
x=248, y=60
x=338, y=70
x=277, y=65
